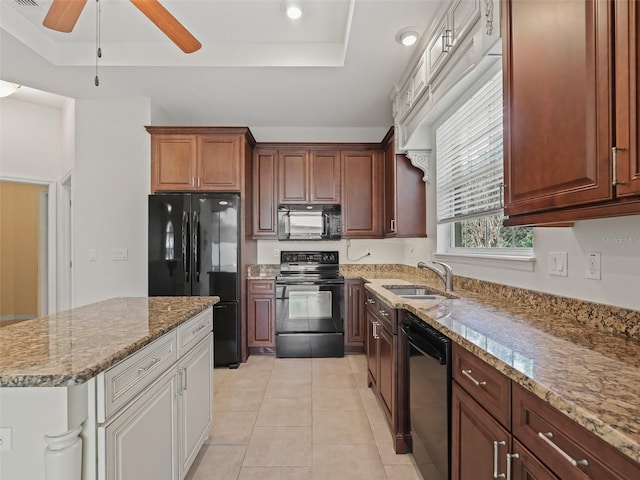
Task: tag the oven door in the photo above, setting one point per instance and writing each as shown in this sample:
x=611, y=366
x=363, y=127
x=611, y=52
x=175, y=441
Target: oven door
x=309, y=318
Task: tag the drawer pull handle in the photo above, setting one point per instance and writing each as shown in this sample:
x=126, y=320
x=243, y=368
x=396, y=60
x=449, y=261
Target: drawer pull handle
x=467, y=373
x=151, y=364
x=510, y=456
x=370, y=301
x=199, y=329
x=547, y=436
x=383, y=313
x=496, y=444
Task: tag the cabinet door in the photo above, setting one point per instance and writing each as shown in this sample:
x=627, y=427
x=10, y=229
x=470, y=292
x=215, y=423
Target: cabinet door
x=218, y=162
x=173, y=162
x=361, y=201
x=627, y=98
x=195, y=402
x=463, y=15
x=261, y=321
x=265, y=203
x=355, y=329
x=324, y=177
x=524, y=466
x=141, y=442
x=557, y=98
x=438, y=47
x=390, y=209
x=293, y=174
x=474, y=434
x=372, y=349
x=386, y=369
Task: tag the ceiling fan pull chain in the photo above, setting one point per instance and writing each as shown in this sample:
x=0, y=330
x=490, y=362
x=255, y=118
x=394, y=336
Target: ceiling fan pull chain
x=98, y=49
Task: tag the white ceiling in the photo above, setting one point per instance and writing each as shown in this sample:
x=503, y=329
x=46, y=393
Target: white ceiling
x=336, y=67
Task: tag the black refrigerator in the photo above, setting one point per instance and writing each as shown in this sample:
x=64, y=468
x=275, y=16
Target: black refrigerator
x=194, y=250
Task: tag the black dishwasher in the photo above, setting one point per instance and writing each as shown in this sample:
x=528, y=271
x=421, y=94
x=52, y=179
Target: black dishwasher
x=429, y=365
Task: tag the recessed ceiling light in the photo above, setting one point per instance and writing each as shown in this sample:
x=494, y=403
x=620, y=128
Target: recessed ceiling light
x=294, y=11
x=407, y=36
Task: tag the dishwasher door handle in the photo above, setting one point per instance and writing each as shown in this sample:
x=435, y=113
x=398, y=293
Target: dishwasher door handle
x=422, y=344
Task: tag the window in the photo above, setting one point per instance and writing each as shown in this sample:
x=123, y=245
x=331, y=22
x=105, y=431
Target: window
x=470, y=172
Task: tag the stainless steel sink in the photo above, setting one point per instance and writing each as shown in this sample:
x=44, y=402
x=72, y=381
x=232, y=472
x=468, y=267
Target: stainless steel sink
x=412, y=291
x=421, y=297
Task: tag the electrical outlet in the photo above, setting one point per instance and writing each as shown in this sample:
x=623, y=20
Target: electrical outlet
x=93, y=255
x=558, y=264
x=276, y=253
x=593, y=266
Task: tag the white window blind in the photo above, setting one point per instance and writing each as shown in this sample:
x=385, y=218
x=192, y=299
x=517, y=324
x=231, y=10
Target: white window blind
x=469, y=157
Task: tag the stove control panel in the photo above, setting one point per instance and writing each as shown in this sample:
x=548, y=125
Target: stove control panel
x=309, y=258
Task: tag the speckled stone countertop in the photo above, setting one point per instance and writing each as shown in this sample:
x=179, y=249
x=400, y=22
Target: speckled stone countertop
x=74, y=346
x=591, y=375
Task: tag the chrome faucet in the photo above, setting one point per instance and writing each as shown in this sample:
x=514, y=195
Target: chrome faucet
x=446, y=274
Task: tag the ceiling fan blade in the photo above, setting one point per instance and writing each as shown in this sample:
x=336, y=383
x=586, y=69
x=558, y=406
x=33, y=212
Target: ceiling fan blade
x=63, y=14
x=166, y=22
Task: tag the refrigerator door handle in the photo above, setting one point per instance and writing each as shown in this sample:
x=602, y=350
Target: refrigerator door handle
x=185, y=250
x=196, y=249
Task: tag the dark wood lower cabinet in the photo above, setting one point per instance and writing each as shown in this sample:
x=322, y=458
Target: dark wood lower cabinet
x=478, y=440
x=387, y=375
x=261, y=316
x=525, y=466
x=354, y=328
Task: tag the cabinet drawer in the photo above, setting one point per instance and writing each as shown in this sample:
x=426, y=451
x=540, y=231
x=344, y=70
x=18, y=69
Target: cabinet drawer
x=387, y=315
x=371, y=301
x=485, y=384
x=261, y=287
x=118, y=385
x=533, y=418
x=191, y=332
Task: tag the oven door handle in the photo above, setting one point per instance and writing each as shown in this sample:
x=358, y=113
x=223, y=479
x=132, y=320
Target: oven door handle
x=422, y=344
x=310, y=282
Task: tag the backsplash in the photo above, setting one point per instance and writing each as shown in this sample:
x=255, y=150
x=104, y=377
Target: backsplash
x=608, y=318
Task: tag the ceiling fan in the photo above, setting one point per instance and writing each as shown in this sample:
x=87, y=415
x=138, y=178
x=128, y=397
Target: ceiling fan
x=63, y=15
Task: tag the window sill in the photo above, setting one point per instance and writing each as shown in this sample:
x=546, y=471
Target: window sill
x=511, y=262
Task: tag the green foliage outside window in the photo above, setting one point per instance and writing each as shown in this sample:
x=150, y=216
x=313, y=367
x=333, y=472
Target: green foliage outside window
x=489, y=232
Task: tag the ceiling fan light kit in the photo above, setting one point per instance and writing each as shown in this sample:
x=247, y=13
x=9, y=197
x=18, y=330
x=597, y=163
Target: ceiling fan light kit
x=63, y=15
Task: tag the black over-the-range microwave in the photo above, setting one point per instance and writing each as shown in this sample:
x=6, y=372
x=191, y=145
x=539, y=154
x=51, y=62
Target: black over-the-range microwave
x=309, y=222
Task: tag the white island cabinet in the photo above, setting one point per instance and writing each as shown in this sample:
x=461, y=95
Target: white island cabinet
x=142, y=411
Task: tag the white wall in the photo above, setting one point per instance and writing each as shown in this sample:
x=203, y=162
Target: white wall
x=382, y=251
x=30, y=141
x=318, y=134
x=616, y=239
x=111, y=181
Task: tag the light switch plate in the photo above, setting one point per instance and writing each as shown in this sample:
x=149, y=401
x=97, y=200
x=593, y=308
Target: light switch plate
x=119, y=254
x=558, y=264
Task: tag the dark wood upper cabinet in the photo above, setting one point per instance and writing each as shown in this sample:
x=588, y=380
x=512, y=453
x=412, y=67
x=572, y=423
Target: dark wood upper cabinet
x=362, y=200
x=404, y=195
x=324, y=177
x=562, y=120
x=557, y=94
x=218, y=162
x=309, y=176
x=293, y=174
x=265, y=174
x=627, y=86
x=200, y=159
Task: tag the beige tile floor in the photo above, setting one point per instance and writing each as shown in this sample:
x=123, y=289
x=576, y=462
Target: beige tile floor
x=298, y=419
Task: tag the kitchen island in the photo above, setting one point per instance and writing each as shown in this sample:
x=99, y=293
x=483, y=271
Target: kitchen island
x=74, y=384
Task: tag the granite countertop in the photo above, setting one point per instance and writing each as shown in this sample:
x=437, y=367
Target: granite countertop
x=73, y=346
x=589, y=374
